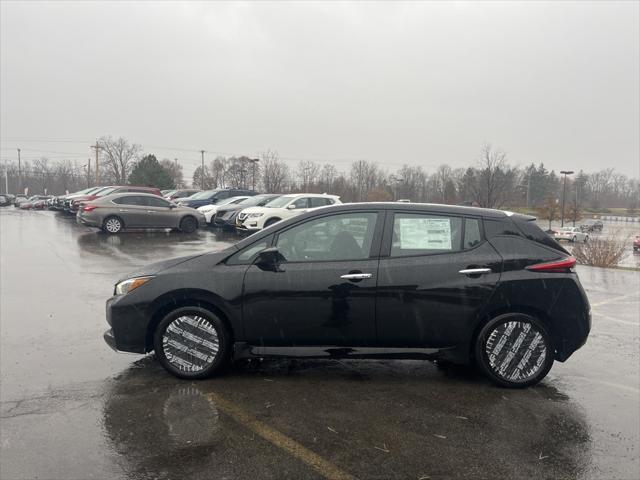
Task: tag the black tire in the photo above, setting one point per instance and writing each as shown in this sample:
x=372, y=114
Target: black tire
x=188, y=224
x=535, y=350
x=112, y=225
x=586, y=238
x=270, y=222
x=201, y=324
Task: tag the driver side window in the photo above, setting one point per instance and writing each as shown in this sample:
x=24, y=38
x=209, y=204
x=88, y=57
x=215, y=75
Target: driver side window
x=345, y=236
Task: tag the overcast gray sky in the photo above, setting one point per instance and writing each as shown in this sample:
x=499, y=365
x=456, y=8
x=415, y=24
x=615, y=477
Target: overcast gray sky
x=422, y=83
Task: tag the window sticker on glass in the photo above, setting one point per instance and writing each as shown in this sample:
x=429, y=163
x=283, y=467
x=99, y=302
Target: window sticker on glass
x=425, y=233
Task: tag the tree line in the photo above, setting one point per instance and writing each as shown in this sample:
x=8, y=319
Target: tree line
x=489, y=181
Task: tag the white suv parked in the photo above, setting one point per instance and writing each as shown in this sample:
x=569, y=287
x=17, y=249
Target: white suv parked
x=256, y=218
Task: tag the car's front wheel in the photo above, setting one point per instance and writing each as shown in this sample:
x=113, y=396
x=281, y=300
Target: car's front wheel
x=191, y=343
x=514, y=350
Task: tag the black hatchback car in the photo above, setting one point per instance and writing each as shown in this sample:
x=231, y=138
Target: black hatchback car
x=381, y=280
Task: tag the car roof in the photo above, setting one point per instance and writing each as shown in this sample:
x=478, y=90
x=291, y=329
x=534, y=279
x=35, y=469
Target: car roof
x=421, y=207
x=322, y=195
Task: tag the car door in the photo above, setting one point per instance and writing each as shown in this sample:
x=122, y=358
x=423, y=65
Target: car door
x=159, y=213
x=323, y=292
x=132, y=210
x=436, y=273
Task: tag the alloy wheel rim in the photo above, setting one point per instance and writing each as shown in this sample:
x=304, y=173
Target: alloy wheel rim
x=190, y=343
x=113, y=225
x=516, y=351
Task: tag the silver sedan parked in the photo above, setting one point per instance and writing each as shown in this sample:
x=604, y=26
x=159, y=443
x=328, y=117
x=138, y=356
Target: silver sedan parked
x=112, y=213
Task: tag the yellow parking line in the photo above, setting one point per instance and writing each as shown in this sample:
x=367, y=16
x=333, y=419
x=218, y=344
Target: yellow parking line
x=614, y=299
x=280, y=440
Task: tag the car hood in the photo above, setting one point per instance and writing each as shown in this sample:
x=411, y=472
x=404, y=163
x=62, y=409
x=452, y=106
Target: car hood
x=259, y=210
x=163, y=266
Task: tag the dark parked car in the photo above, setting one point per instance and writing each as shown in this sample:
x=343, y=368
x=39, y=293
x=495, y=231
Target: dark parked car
x=182, y=193
x=226, y=216
x=78, y=201
x=592, y=226
x=115, y=212
x=366, y=280
x=6, y=199
x=211, y=197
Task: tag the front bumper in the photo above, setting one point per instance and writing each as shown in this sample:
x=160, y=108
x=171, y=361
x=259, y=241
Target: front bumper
x=129, y=323
x=110, y=339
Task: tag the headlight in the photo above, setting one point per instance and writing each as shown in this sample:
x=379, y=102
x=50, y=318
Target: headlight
x=255, y=215
x=130, y=284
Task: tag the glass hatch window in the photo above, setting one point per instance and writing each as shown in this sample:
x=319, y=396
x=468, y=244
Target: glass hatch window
x=203, y=195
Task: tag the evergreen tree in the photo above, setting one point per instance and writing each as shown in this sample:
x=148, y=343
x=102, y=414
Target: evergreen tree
x=149, y=172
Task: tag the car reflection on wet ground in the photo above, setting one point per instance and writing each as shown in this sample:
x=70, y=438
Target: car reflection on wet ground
x=72, y=408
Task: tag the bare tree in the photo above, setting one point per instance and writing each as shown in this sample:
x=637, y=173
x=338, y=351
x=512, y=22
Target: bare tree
x=218, y=170
x=174, y=169
x=328, y=176
x=275, y=172
x=308, y=173
x=64, y=172
x=42, y=172
x=118, y=157
x=197, y=178
x=364, y=176
x=494, y=179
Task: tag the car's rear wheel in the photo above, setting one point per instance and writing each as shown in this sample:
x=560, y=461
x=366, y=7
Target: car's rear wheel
x=191, y=343
x=514, y=350
x=112, y=225
x=188, y=225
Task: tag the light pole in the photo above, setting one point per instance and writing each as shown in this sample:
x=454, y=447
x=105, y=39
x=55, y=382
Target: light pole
x=564, y=190
x=253, y=172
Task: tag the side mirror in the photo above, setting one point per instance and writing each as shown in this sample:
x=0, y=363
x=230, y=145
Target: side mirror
x=269, y=259
x=172, y=206
x=291, y=207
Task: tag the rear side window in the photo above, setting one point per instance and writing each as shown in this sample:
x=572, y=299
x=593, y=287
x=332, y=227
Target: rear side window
x=423, y=234
x=533, y=232
x=320, y=202
x=472, y=236
x=130, y=200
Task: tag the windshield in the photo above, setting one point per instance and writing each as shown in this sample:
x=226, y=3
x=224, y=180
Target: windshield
x=255, y=200
x=105, y=191
x=202, y=195
x=279, y=202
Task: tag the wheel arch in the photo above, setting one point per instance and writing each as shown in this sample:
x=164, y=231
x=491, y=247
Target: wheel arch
x=187, y=298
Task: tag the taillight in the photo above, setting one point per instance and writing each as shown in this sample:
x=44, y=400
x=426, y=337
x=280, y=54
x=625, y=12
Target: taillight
x=89, y=208
x=563, y=265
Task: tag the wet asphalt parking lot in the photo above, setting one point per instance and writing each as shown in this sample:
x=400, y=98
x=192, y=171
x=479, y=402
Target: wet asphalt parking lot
x=73, y=408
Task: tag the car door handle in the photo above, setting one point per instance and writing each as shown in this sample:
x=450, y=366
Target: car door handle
x=475, y=271
x=356, y=276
